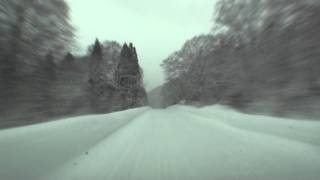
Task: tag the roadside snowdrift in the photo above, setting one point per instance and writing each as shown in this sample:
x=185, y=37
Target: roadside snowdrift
x=178, y=143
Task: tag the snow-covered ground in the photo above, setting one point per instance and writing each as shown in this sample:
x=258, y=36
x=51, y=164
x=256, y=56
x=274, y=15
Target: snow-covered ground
x=179, y=143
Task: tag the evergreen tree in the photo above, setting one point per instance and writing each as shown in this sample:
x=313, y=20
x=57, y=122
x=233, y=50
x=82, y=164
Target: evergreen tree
x=99, y=88
x=68, y=61
x=44, y=79
x=129, y=78
x=50, y=67
x=96, y=60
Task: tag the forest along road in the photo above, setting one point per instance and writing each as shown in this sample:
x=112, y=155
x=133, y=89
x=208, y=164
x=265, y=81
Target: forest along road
x=178, y=143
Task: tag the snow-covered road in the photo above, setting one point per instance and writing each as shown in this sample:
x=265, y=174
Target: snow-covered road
x=179, y=143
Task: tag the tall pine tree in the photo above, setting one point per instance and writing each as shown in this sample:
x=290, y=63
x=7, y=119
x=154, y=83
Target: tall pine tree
x=99, y=88
x=129, y=78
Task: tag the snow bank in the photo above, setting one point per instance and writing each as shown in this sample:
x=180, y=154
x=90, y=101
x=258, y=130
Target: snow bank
x=33, y=151
x=176, y=143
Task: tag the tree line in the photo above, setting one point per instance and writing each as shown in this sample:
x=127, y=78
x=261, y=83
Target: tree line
x=39, y=76
x=261, y=56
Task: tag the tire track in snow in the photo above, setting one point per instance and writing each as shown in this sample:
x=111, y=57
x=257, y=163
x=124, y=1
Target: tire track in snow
x=34, y=151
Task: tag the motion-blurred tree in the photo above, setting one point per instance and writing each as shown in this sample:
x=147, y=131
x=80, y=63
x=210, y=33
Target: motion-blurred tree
x=28, y=30
x=263, y=52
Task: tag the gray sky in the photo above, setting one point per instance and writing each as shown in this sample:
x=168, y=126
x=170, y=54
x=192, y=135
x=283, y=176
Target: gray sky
x=156, y=27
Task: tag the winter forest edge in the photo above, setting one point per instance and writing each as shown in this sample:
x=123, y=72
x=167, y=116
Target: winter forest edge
x=260, y=57
x=41, y=79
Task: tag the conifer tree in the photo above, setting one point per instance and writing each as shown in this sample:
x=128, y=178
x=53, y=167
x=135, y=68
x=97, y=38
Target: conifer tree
x=129, y=78
x=100, y=90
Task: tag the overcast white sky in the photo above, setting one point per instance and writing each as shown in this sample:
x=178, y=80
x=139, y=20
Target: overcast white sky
x=156, y=27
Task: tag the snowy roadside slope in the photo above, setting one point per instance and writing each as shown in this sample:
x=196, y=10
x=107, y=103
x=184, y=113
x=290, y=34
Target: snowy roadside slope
x=178, y=143
x=27, y=153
